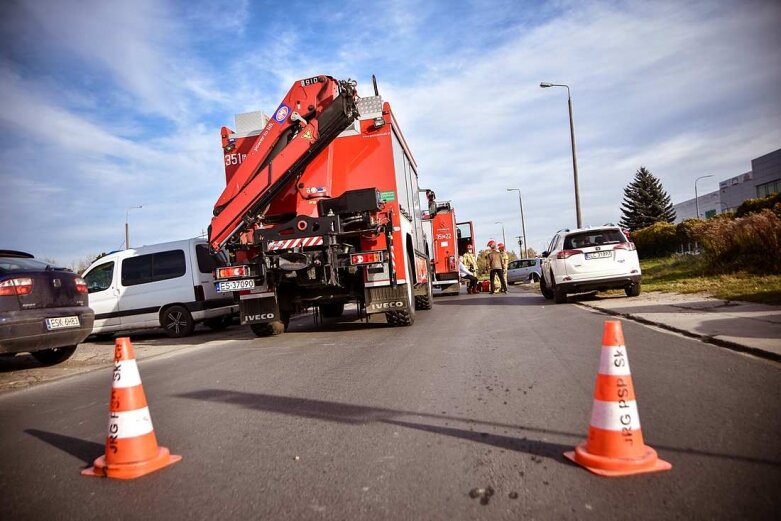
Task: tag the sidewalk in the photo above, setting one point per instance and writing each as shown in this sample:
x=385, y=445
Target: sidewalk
x=742, y=326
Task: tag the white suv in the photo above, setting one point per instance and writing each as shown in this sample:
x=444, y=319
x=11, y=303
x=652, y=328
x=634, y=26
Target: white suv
x=589, y=259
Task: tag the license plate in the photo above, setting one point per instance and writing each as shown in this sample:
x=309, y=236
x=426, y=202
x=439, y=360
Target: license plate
x=599, y=254
x=234, y=285
x=62, y=322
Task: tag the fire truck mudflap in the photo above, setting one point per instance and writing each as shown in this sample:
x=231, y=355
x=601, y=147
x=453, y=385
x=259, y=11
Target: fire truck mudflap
x=259, y=308
x=386, y=298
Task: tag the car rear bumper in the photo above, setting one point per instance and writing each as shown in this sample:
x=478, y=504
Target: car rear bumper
x=25, y=331
x=577, y=286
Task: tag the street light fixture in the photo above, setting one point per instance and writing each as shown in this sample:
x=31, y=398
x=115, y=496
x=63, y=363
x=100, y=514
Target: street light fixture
x=504, y=238
x=523, y=224
x=696, y=197
x=545, y=85
x=127, y=228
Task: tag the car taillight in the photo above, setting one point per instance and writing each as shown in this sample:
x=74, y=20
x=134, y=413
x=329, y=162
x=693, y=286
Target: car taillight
x=625, y=246
x=232, y=272
x=566, y=254
x=81, y=285
x=17, y=286
x=367, y=257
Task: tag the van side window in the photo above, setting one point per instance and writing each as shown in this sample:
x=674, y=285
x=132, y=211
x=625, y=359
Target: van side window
x=207, y=261
x=153, y=267
x=99, y=279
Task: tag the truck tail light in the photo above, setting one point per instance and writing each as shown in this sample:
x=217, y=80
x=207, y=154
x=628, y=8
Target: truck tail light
x=451, y=263
x=367, y=257
x=566, y=254
x=231, y=272
x=17, y=286
x=625, y=246
x=81, y=285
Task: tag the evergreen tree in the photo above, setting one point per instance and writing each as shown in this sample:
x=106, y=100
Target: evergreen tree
x=645, y=202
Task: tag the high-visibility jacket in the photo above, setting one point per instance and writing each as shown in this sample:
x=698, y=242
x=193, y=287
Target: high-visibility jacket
x=470, y=262
x=505, y=259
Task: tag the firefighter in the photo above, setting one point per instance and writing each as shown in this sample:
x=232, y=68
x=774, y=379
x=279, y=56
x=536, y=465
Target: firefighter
x=506, y=261
x=470, y=262
x=497, y=266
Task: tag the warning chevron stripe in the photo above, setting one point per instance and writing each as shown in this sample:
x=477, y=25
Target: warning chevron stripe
x=295, y=243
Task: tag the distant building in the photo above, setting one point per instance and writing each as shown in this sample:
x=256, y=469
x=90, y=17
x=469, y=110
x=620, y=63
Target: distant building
x=763, y=179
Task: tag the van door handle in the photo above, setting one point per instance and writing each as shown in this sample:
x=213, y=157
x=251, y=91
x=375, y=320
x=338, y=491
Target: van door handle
x=116, y=292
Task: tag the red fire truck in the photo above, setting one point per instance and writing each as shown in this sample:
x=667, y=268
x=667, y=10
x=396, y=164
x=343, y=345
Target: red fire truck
x=449, y=240
x=321, y=208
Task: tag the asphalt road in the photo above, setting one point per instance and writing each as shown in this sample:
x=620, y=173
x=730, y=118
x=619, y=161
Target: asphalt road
x=361, y=421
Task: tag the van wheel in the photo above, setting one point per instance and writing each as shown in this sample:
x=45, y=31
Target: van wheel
x=55, y=355
x=269, y=329
x=177, y=322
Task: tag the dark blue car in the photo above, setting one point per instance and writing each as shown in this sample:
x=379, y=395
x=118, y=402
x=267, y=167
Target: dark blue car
x=43, y=309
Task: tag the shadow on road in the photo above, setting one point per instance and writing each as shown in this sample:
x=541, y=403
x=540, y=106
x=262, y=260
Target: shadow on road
x=86, y=451
x=361, y=415
x=491, y=300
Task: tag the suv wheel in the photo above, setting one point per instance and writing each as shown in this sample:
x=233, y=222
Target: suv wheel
x=559, y=296
x=545, y=290
x=633, y=290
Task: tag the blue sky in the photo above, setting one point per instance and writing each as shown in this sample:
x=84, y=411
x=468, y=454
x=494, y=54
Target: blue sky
x=110, y=104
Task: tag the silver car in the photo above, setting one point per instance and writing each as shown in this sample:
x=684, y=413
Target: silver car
x=524, y=270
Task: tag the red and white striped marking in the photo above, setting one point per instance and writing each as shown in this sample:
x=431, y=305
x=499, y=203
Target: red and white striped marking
x=294, y=243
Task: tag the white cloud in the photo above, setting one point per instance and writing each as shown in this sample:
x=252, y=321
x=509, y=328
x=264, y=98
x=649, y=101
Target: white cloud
x=130, y=111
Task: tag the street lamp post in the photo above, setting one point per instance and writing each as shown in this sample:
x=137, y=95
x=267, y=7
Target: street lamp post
x=127, y=227
x=696, y=197
x=504, y=238
x=523, y=224
x=545, y=85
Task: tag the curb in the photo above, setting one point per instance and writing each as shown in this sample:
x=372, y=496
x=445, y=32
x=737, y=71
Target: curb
x=732, y=346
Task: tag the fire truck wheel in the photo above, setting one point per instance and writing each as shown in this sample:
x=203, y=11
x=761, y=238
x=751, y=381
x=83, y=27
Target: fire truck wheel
x=407, y=316
x=269, y=329
x=426, y=301
x=332, y=310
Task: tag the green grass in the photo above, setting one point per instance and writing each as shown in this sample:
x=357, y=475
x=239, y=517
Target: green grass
x=687, y=274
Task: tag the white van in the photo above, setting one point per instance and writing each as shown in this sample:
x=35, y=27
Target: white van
x=168, y=285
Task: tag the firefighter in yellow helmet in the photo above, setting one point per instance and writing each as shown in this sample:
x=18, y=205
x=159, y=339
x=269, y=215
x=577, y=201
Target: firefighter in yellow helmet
x=497, y=266
x=470, y=262
x=506, y=262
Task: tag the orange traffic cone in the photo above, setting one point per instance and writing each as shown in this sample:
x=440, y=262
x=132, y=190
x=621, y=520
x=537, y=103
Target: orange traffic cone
x=615, y=442
x=131, y=446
